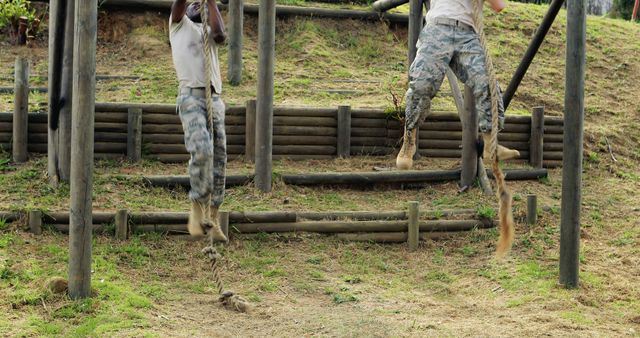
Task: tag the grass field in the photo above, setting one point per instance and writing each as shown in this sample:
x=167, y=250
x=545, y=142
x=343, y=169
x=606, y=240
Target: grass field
x=315, y=285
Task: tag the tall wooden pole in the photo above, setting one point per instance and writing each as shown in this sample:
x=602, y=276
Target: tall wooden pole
x=66, y=90
x=236, y=18
x=573, y=144
x=415, y=26
x=469, y=140
x=56, y=48
x=264, y=108
x=20, y=110
x=84, y=83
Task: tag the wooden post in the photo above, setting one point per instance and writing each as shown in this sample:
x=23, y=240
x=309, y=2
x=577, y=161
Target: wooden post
x=21, y=110
x=415, y=26
x=413, y=226
x=66, y=96
x=537, y=138
x=84, y=84
x=532, y=209
x=122, y=224
x=344, y=131
x=572, y=144
x=469, y=140
x=134, y=135
x=264, y=105
x=35, y=221
x=236, y=18
x=250, y=132
x=224, y=221
x=458, y=99
x=56, y=47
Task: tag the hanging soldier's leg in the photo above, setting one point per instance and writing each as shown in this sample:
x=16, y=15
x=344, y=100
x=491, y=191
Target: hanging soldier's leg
x=197, y=140
x=219, y=167
x=425, y=77
x=468, y=63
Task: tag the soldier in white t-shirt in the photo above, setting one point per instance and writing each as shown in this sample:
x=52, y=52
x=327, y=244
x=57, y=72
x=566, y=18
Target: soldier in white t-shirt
x=449, y=39
x=207, y=148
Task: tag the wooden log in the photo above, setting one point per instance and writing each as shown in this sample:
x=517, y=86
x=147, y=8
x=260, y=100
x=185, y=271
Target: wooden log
x=415, y=26
x=368, y=122
x=393, y=237
x=183, y=181
x=264, y=106
x=223, y=218
x=84, y=84
x=56, y=48
x=483, y=178
x=522, y=174
x=551, y=129
x=305, y=122
x=536, y=145
x=304, y=111
x=413, y=228
x=35, y=222
x=134, y=135
x=469, y=140
x=20, y=111
x=294, y=157
x=552, y=164
x=343, y=140
x=553, y=121
x=307, y=131
x=361, y=226
x=250, y=131
x=369, y=132
x=7, y=137
x=236, y=17
x=9, y=216
x=304, y=150
x=385, y=5
x=532, y=209
x=113, y=117
x=548, y=147
x=374, y=151
x=64, y=131
x=573, y=144
x=370, y=177
x=124, y=107
x=282, y=140
x=556, y=138
x=122, y=224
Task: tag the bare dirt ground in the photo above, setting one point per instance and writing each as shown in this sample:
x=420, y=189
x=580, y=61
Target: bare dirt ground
x=309, y=285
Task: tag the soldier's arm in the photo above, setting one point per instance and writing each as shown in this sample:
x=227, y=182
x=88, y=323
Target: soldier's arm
x=497, y=5
x=178, y=9
x=215, y=22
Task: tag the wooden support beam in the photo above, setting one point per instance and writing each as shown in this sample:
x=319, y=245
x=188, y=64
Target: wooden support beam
x=84, y=84
x=20, y=110
x=573, y=144
x=122, y=224
x=236, y=19
x=413, y=226
x=264, y=106
x=469, y=140
x=134, y=135
x=35, y=222
x=536, y=144
x=224, y=220
x=532, y=209
x=344, y=132
x=250, y=132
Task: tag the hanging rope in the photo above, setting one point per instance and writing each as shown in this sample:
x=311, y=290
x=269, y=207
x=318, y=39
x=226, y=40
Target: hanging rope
x=227, y=298
x=504, y=196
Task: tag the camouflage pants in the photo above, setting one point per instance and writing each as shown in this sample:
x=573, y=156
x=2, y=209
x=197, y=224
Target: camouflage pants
x=208, y=152
x=441, y=46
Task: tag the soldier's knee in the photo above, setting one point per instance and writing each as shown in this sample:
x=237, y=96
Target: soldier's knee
x=421, y=89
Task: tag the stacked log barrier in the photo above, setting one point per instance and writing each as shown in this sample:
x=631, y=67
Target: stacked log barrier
x=299, y=133
x=357, y=224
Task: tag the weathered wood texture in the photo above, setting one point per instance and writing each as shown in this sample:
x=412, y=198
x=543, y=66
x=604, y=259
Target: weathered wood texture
x=20, y=110
x=84, y=84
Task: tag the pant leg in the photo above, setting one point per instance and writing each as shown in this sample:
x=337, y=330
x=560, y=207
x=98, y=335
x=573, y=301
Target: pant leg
x=427, y=72
x=469, y=65
x=219, y=152
x=197, y=140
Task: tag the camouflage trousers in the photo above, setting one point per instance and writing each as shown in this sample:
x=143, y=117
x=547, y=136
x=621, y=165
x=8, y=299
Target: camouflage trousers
x=441, y=46
x=208, y=152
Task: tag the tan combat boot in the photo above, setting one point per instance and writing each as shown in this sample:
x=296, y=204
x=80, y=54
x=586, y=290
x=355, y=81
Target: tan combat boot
x=214, y=227
x=196, y=216
x=404, y=161
x=504, y=153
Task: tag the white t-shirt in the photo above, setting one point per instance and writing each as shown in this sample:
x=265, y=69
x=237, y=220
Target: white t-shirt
x=188, y=55
x=461, y=10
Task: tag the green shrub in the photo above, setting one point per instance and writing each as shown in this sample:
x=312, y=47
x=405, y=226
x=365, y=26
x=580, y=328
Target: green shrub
x=12, y=10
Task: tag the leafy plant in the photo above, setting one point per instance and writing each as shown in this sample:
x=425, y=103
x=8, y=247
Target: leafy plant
x=12, y=10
